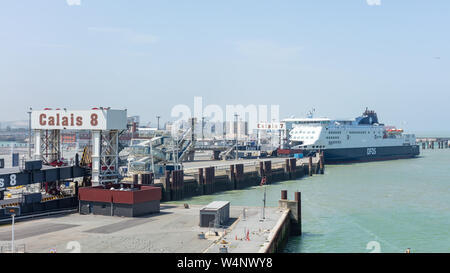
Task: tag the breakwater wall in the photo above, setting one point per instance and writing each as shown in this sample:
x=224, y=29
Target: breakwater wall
x=180, y=184
x=433, y=143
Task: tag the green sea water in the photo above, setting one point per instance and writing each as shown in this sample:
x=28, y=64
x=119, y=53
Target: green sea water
x=395, y=205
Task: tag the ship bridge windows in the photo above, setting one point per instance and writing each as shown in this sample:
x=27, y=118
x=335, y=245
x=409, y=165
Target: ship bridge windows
x=334, y=142
x=312, y=122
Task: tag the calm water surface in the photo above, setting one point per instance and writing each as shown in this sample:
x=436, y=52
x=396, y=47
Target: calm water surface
x=399, y=204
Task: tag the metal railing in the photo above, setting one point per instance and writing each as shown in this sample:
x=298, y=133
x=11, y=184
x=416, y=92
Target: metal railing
x=20, y=248
x=253, y=165
x=37, y=215
x=223, y=167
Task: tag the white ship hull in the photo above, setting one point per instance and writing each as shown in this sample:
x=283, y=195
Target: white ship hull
x=361, y=139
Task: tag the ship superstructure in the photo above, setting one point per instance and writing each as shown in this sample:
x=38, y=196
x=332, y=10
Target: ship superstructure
x=359, y=139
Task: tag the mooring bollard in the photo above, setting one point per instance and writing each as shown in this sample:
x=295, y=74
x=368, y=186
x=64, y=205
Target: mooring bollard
x=310, y=165
x=200, y=176
x=284, y=195
x=287, y=168
x=298, y=199
x=166, y=186
x=322, y=163
x=261, y=168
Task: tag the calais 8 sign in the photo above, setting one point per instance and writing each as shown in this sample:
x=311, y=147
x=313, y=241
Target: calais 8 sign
x=270, y=126
x=79, y=120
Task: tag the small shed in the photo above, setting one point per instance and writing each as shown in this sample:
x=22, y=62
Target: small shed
x=216, y=213
x=124, y=200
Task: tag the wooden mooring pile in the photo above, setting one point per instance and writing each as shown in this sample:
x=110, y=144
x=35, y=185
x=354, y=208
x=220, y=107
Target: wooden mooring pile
x=180, y=184
x=434, y=143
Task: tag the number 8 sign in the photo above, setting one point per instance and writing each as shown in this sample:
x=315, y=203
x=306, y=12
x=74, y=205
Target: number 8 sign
x=6, y=182
x=94, y=119
x=12, y=180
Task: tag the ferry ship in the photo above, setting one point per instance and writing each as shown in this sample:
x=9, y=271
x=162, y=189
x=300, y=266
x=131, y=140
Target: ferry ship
x=343, y=141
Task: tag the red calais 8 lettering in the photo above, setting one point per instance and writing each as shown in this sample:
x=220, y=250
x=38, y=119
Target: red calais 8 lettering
x=94, y=119
x=61, y=121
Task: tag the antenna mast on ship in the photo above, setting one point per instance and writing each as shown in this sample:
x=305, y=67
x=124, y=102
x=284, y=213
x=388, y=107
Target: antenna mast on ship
x=311, y=113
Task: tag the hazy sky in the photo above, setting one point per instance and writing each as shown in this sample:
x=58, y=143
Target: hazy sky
x=147, y=56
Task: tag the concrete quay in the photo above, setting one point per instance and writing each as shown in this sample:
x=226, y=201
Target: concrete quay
x=174, y=229
x=251, y=233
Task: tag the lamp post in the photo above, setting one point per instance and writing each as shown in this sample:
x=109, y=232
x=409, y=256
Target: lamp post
x=13, y=212
x=29, y=133
x=264, y=203
x=203, y=127
x=236, y=134
x=12, y=233
x=158, y=117
x=151, y=154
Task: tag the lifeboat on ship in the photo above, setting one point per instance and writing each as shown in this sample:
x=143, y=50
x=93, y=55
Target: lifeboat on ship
x=393, y=131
